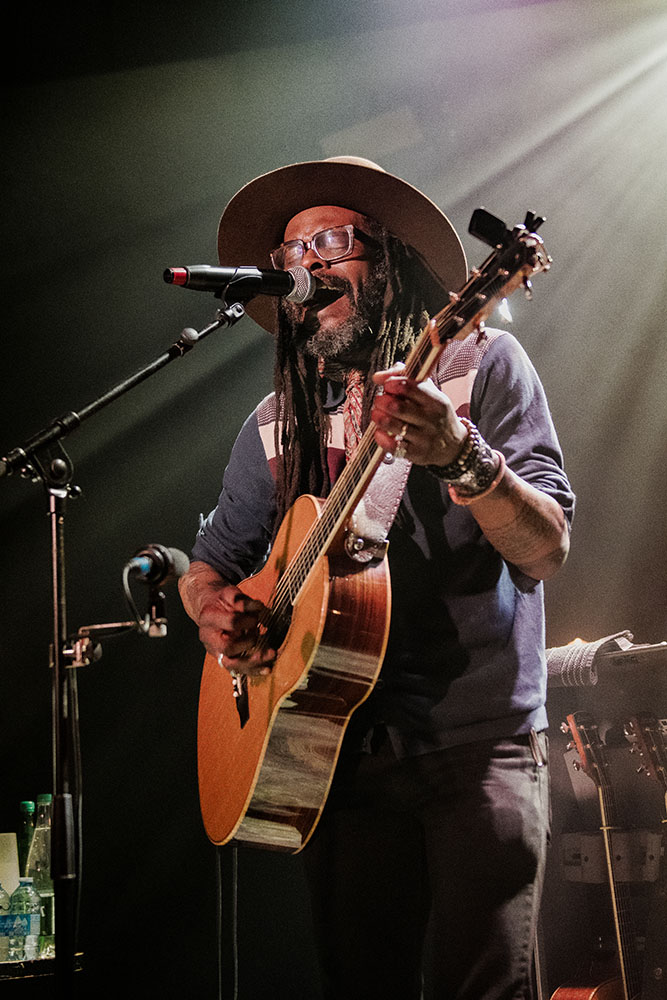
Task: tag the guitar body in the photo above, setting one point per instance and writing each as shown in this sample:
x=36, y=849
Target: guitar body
x=612, y=989
x=265, y=781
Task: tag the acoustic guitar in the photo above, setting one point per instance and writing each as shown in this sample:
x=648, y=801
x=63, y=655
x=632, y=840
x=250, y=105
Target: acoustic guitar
x=593, y=761
x=268, y=746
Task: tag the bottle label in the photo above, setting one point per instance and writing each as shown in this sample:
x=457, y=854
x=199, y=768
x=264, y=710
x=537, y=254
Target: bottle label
x=20, y=924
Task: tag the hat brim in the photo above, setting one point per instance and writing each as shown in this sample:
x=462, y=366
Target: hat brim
x=253, y=223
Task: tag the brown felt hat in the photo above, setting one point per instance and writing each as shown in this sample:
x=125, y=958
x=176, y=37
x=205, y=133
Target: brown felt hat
x=253, y=223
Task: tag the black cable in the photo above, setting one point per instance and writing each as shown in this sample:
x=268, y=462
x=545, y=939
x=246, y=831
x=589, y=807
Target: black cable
x=77, y=794
x=232, y=917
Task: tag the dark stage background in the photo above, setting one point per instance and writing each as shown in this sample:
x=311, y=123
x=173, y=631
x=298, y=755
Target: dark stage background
x=127, y=128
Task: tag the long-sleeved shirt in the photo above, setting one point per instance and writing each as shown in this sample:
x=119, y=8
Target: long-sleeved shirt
x=465, y=659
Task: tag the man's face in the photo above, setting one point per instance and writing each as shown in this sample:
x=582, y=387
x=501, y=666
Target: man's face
x=338, y=330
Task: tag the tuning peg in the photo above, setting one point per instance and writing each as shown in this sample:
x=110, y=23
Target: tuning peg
x=576, y=765
x=489, y=229
x=528, y=288
x=641, y=769
x=571, y=745
x=533, y=222
x=564, y=728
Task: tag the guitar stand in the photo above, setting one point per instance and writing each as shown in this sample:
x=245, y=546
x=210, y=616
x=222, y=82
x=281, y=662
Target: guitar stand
x=43, y=459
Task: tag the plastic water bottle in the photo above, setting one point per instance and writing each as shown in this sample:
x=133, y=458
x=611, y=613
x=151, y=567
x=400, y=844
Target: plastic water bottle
x=24, y=919
x=26, y=830
x=4, y=924
x=39, y=869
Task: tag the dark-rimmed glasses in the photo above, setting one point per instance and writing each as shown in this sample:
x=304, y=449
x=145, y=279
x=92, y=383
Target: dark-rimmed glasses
x=329, y=245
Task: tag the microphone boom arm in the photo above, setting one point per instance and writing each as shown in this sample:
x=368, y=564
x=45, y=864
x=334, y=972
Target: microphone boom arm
x=42, y=458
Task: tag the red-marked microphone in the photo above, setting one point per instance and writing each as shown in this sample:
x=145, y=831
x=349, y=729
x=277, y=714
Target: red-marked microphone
x=296, y=285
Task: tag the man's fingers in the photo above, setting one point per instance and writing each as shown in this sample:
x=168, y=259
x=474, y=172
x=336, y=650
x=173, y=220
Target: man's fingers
x=257, y=664
x=229, y=617
x=381, y=378
x=237, y=601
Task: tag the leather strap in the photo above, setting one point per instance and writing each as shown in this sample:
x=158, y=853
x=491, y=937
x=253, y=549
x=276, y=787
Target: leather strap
x=374, y=514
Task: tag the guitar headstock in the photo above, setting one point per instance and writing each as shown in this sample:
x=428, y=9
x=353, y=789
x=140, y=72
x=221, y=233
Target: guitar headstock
x=648, y=738
x=583, y=729
x=493, y=231
x=518, y=255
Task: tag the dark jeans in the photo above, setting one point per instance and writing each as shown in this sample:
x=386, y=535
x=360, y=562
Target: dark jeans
x=431, y=866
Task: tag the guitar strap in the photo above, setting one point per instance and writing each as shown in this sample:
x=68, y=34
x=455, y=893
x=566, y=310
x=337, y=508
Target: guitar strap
x=374, y=514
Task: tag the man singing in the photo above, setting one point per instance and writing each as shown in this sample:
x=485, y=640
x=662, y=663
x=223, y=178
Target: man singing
x=426, y=868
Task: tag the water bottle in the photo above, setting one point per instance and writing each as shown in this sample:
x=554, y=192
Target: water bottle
x=26, y=830
x=4, y=924
x=24, y=919
x=39, y=869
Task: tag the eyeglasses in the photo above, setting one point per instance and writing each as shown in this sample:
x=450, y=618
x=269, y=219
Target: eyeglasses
x=329, y=245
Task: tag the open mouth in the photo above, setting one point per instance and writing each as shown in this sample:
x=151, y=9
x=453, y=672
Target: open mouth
x=324, y=297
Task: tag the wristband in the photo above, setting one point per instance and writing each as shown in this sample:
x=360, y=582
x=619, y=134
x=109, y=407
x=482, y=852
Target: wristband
x=464, y=499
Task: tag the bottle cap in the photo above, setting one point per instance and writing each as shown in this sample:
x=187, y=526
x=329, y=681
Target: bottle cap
x=45, y=799
x=26, y=878
x=27, y=807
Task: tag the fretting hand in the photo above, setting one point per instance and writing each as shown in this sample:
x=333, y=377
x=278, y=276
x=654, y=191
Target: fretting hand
x=417, y=419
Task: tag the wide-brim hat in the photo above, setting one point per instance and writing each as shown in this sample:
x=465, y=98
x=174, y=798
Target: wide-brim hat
x=253, y=223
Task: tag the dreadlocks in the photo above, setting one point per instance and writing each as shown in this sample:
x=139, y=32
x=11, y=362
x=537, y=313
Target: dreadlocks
x=302, y=428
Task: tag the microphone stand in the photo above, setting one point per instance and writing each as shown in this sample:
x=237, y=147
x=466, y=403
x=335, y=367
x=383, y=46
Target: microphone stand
x=43, y=459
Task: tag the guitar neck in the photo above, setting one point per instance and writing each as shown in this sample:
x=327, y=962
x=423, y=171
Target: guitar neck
x=354, y=479
x=594, y=762
x=515, y=260
x=620, y=898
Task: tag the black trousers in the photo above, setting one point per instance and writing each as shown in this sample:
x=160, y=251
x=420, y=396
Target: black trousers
x=425, y=874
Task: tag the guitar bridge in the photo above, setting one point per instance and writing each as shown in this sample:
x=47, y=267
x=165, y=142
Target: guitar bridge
x=240, y=692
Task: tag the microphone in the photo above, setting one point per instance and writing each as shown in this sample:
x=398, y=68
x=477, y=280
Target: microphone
x=156, y=564
x=296, y=285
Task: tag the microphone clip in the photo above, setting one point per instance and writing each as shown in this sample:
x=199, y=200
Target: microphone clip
x=226, y=316
x=156, y=618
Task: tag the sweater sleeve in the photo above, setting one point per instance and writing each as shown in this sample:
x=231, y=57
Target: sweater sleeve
x=510, y=407
x=235, y=537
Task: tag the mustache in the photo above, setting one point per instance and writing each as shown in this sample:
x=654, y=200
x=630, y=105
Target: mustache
x=337, y=281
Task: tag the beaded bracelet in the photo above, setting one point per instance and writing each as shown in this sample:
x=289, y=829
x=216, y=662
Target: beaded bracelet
x=462, y=462
x=473, y=471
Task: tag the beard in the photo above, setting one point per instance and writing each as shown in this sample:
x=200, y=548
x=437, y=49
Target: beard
x=350, y=343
